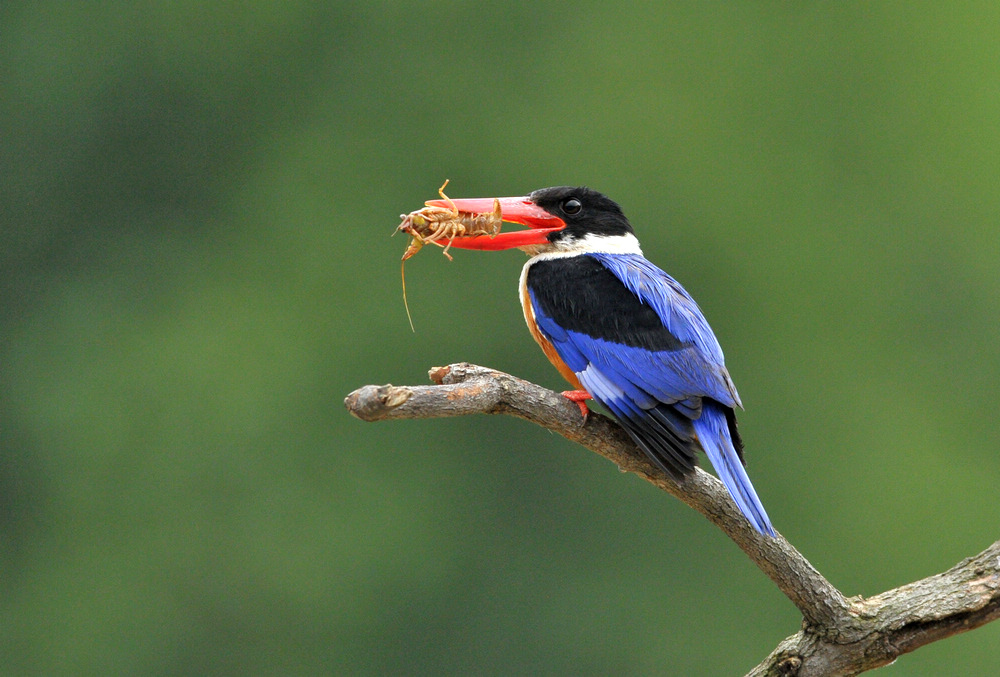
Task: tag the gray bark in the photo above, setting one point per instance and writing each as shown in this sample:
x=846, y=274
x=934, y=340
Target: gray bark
x=839, y=635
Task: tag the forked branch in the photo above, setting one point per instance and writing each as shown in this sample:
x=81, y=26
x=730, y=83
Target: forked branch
x=839, y=636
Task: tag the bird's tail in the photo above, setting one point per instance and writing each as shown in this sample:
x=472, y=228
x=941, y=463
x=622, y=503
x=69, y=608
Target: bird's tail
x=713, y=431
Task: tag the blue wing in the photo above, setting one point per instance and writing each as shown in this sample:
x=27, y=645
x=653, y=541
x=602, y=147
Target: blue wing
x=672, y=401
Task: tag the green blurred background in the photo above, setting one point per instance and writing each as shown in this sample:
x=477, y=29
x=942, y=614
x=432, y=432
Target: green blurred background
x=196, y=200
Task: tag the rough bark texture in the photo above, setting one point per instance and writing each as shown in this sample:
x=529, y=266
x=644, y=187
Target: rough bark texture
x=839, y=635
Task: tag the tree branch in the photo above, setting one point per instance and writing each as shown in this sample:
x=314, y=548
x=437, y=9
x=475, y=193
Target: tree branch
x=839, y=636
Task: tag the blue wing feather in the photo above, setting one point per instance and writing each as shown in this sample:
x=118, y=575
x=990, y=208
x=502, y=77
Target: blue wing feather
x=675, y=307
x=704, y=368
x=668, y=400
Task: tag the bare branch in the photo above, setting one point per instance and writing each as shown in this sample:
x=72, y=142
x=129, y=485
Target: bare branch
x=895, y=622
x=839, y=636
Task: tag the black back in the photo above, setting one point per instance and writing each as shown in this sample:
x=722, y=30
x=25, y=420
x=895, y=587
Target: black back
x=580, y=294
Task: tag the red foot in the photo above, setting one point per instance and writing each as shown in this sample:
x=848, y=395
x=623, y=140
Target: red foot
x=580, y=397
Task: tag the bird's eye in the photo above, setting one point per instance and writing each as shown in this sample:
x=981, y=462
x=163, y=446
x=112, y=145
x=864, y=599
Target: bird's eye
x=572, y=206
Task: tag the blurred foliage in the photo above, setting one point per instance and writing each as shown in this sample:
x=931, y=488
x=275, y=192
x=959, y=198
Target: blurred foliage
x=195, y=269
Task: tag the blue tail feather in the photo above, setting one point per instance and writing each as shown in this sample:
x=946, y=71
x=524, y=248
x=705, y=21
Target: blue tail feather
x=713, y=431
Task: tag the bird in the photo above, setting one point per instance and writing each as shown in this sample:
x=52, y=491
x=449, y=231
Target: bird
x=622, y=331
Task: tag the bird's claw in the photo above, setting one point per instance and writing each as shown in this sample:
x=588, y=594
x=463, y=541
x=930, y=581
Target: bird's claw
x=580, y=397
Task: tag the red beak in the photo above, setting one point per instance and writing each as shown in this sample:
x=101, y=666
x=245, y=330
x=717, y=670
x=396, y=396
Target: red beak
x=515, y=210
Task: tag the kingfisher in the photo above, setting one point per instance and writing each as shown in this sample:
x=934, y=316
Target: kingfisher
x=623, y=332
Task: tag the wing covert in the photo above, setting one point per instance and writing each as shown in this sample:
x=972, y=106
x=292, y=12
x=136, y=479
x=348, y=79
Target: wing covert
x=651, y=339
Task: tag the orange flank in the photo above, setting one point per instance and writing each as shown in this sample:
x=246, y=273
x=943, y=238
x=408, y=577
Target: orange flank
x=547, y=347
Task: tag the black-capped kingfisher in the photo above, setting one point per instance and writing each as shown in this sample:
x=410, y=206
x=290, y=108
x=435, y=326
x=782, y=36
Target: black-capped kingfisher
x=624, y=332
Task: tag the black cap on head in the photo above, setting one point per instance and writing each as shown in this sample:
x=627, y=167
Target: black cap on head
x=585, y=212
